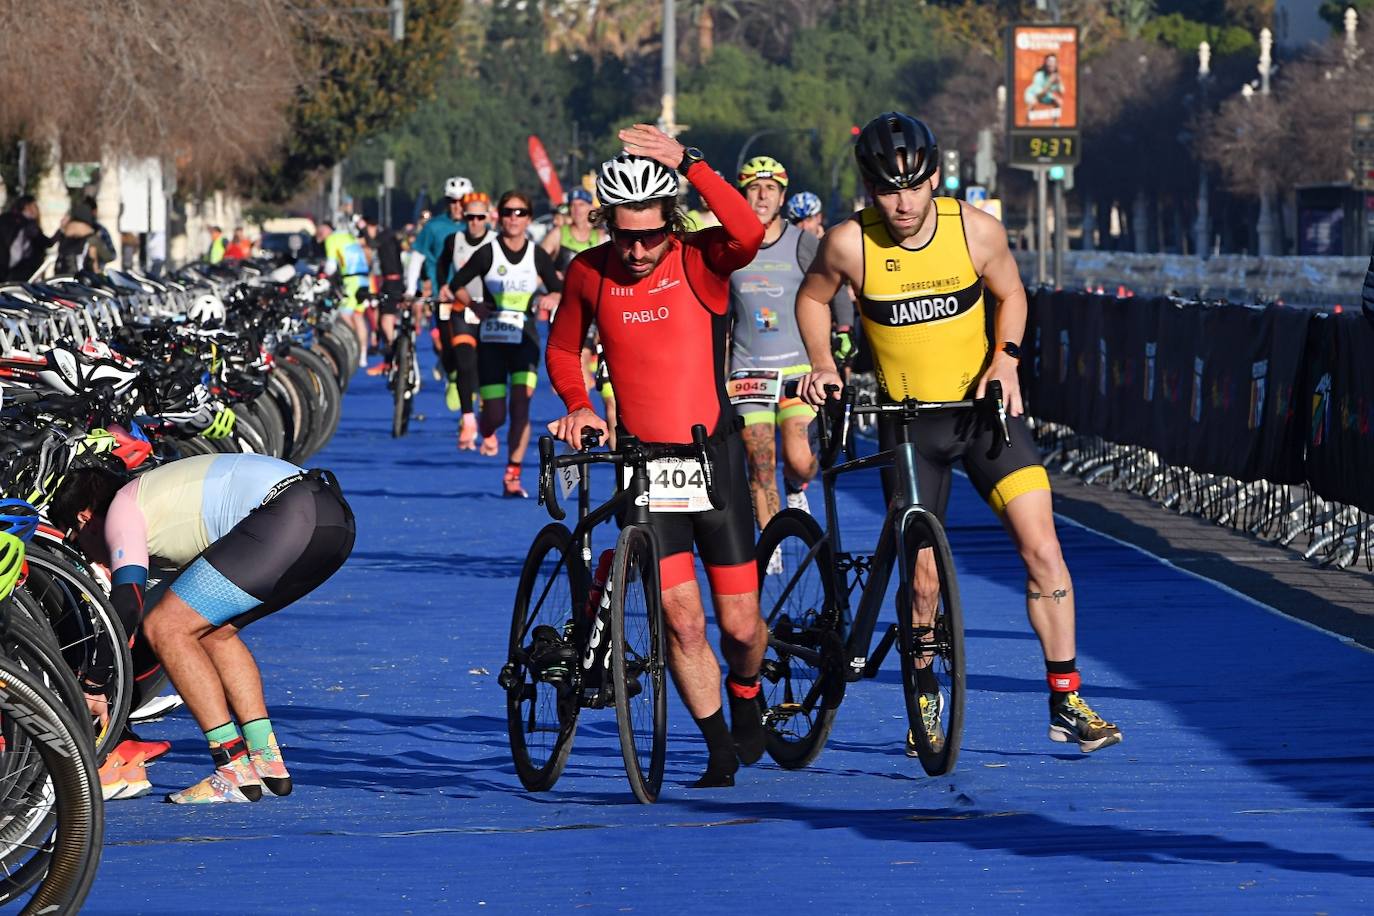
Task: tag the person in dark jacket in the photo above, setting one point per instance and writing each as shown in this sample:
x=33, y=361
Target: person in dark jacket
x=79, y=245
x=22, y=242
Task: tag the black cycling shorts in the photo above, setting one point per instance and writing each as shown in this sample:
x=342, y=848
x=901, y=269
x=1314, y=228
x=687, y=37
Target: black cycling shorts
x=279, y=553
x=724, y=538
x=997, y=472
x=389, y=300
x=497, y=362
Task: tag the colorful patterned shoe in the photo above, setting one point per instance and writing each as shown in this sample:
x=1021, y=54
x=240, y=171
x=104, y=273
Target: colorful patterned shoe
x=235, y=781
x=272, y=770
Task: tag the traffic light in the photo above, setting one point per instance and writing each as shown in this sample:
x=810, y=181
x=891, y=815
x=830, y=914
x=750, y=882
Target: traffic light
x=1057, y=173
x=949, y=168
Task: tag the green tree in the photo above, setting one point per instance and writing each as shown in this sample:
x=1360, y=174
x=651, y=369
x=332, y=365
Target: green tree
x=363, y=88
x=1178, y=31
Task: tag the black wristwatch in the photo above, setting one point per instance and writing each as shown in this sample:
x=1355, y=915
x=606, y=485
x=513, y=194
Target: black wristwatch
x=1012, y=349
x=690, y=157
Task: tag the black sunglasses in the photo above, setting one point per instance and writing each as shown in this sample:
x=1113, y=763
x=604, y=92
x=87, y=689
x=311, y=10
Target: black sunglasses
x=649, y=238
x=513, y=211
x=473, y=216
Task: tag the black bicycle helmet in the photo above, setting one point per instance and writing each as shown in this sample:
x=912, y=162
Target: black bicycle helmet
x=876, y=152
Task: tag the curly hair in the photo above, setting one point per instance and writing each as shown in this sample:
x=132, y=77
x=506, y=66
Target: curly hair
x=673, y=215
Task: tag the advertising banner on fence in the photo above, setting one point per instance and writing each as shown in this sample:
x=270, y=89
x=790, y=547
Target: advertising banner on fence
x=1213, y=388
x=1338, y=404
x=1044, y=74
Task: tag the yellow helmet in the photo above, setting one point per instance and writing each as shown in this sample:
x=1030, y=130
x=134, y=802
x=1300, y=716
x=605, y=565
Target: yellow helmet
x=762, y=167
x=11, y=563
x=222, y=426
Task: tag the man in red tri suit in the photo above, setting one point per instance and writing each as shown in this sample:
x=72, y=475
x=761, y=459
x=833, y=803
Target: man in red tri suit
x=660, y=297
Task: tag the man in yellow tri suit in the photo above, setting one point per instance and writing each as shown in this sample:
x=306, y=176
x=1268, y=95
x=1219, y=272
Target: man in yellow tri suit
x=927, y=269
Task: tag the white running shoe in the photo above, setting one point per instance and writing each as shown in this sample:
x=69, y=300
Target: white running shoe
x=156, y=708
x=774, y=563
x=798, y=500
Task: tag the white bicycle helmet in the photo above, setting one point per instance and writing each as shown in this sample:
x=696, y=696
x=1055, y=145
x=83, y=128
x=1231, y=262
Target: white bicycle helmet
x=205, y=308
x=456, y=187
x=630, y=179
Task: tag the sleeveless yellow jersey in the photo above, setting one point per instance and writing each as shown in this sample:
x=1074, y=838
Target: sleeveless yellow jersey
x=922, y=309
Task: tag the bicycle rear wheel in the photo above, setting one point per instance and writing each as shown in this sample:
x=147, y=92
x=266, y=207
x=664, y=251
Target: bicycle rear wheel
x=802, y=674
x=639, y=662
x=400, y=385
x=932, y=639
x=52, y=816
x=542, y=703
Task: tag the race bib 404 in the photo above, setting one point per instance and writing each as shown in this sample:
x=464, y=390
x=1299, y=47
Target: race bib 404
x=676, y=485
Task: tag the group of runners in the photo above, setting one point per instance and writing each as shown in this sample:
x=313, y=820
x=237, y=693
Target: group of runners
x=674, y=326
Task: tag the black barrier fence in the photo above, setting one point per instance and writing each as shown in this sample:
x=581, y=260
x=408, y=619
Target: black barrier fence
x=1252, y=393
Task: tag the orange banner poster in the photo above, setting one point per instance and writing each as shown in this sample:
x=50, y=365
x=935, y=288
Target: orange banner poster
x=1044, y=77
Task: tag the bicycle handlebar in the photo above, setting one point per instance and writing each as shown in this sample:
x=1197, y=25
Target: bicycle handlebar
x=631, y=453
x=909, y=409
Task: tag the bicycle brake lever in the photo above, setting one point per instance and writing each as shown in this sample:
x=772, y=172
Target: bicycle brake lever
x=994, y=393
x=547, y=497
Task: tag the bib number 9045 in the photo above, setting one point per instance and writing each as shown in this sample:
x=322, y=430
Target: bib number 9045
x=754, y=386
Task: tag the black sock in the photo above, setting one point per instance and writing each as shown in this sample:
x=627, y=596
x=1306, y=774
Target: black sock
x=926, y=681
x=746, y=717
x=722, y=762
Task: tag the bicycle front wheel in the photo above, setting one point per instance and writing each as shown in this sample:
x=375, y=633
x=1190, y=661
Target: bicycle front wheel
x=802, y=674
x=542, y=701
x=639, y=662
x=400, y=386
x=930, y=637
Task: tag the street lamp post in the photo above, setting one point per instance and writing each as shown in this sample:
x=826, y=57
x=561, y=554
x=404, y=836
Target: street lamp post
x=1202, y=228
x=1265, y=229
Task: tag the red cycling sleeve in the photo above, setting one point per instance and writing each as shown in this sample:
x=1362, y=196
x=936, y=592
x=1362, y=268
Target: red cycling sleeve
x=564, y=352
x=736, y=241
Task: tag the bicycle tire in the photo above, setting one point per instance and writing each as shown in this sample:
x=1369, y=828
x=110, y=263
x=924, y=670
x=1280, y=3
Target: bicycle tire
x=248, y=432
x=401, y=401
x=639, y=661
x=24, y=643
x=291, y=398
x=335, y=354
x=268, y=415
x=942, y=643
x=91, y=636
x=541, y=717
x=802, y=697
x=325, y=391
x=67, y=863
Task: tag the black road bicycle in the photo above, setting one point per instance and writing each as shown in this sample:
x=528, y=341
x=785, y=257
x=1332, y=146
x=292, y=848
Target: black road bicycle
x=817, y=643
x=403, y=378
x=572, y=648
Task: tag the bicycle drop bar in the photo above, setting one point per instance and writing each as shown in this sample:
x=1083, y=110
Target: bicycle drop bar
x=910, y=409
x=632, y=453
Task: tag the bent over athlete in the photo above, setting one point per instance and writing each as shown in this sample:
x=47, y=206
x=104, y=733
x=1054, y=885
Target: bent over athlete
x=924, y=267
x=242, y=536
x=660, y=297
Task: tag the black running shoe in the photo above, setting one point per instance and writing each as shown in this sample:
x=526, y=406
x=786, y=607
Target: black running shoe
x=1072, y=720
